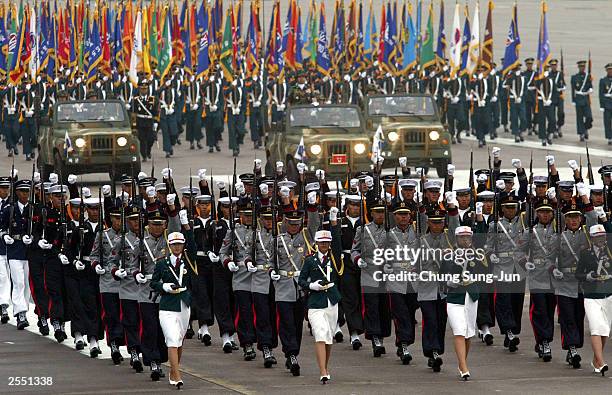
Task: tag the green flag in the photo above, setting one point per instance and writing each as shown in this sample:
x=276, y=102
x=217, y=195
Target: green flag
x=165, y=55
x=427, y=50
x=153, y=45
x=226, y=50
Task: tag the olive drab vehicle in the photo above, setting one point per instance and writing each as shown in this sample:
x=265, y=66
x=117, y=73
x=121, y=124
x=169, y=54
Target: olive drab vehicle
x=90, y=136
x=335, y=139
x=412, y=128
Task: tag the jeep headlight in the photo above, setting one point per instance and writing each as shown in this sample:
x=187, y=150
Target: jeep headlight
x=121, y=141
x=393, y=136
x=360, y=148
x=315, y=149
x=434, y=135
x=80, y=142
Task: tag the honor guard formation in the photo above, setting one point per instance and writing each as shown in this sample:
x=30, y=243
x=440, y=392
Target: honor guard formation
x=251, y=263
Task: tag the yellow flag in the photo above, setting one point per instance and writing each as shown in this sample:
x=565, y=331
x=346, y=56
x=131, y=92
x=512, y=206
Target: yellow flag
x=146, y=64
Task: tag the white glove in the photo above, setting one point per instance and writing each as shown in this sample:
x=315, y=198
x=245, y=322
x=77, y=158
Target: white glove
x=301, y=167
x=263, y=188
x=572, y=164
x=530, y=266
x=284, y=192
x=450, y=196
x=493, y=99
x=453, y=283
x=44, y=245
x=79, y=265
x=320, y=174
x=599, y=210
x=213, y=257
x=551, y=193
x=155, y=125
x=591, y=276
x=121, y=273
x=72, y=179
x=494, y=259
x=151, y=191
x=220, y=185
x=202, y=174
x=279, y=166
x=496, y=151
x=333, y=213
x=140, y=278
x=500, y=184
x=142, y=175
x=250, y=267
x=455, y=100
x=195, y=107
x=312, y=197
x=369, y=181
x=482, y=178
x=8, y=240
x=557, y=274
x=257, y=163
x=516, y=163
x=27, y=240
x=419, y=171
x=232, y=266
x=53, y=178
x=316, y=286
x=167, y=287
x=377, y=160
x=166, y=172
x=550, y=159
x=240, y=188
x=387, y=268
x=36, y=176
x=64, y=259
x=106, y=190
x=450, y=169
x=183, y=217
x=403, y=161
x=170, y=198
x=479, y=206
x=354, y=183
x=100, y=270
x=274, y=276
x=582, y=189
x=361, y=263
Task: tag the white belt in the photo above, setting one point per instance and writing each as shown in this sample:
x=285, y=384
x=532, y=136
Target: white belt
x=265, y=267
x=505, y=254
x=289, y=274
x=201, y=253
x=144, y=116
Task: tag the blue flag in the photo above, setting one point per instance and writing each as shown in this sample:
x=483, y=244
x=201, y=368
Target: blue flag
x=513, y=44
x=465, y=42
x=441, y=47
x=323, y=60
x=203, y=41
x=95, y=52
x=52, y=51
x=117, y=56
x=410, y=54
x=3, y=47
x=367, y=40
x=543, y=44
x=299, y=43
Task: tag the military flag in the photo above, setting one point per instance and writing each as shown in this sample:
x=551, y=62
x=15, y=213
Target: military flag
x=203, y=40
x=474, y=45
x=428, y=57
x=323, y=59
x=543, y=43
x=409, y=59
x=487, y=45
x=136, y=54
x=226, y=56
x=441, y=46
x=4, y=43
x=95, y=52
x=513, y=43
x=465, y=44
x=455, y=44
x=165, y=55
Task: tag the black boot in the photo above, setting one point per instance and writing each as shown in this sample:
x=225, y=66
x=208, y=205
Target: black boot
x=405, y=356
x=211, y=150
x=295, y=366
x=59, y=333
x=5, y=316
x=199, y=145
x=191, y=146
x=22, y=321
x=546, y=351
x=115, y=353
x=135, y=361
x=377, y=347
x=512, y=341
x=43, y=326
x=268, y=357
x=206, y=339
x=356, y=343
x=249, y=352
x=190, y=333
x=437, y=362
x=573, y=358
x=339, y=337
x=154, y=371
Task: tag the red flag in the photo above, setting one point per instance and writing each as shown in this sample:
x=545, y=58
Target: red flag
x=381, y=36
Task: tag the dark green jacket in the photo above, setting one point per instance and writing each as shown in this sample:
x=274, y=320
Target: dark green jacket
x=164, y=274
x=587, y=263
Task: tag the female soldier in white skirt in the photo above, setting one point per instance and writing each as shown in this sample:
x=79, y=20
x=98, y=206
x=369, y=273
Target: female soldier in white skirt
x=596, y=275
x=320, y=274
x=170, y=279
x=462, y=296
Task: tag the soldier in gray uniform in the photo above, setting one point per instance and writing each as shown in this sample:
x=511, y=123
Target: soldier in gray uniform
x=534, y=246
x=293, y=244
x=153, y=247
x=430, y=293
x=259, y=265
x=101, y=260
x=500, y=246
x=124, y=267
x=570, y=300
x=401, y=293
x=371, y=239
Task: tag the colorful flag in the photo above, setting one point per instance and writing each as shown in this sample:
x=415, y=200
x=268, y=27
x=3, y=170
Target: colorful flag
x=4, y=42
x=67, y=144
x=487, y=45
x=300, y=152
x=368, y=43
x=95, y=52
x=428, y=57
x=543, y=43
x=455, y=44
x=299, y=42
x=513, y=43
x=165, y=55
x=441, y=46
x=15, y=50
x=474, y=46
x=465, y=44
x=204, y=41
x=186, y=39
x=226, y=58
x=117, y=63
x=136, y=54
x=410, y=45
x=34, y=55
x=323, y=59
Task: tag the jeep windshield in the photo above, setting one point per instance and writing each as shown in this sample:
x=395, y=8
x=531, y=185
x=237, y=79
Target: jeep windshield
x=343, y=118
x=90, y=112
x=401, y=106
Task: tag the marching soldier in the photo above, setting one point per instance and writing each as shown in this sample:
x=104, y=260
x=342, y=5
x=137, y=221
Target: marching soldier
x=495, y=87
x=11, y=118
x=605, y=101
x=545, y=115
x=234, y=96
x=29, y=127
x=167, y=117
x=77, y=89
x=257, y=110
x=516, y=88
x=193, y=112
x=214, y=102
x=480, y=99
x=455, y=93
x=278, y=92
x=582, y=87
x=145, y=108
x=558, y=95
x=530, y=94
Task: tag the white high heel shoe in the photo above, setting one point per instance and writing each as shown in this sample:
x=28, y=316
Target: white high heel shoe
x=465, y=376
x=601, y=370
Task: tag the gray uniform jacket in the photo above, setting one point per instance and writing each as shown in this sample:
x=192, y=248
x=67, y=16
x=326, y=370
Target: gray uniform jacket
x=536, y=246
x=373, y=240
x=504, y=244
x=566, y=257
x=264, y=244
x=106, y=281
x=128, y=287
x=401, y=238
x=241, y=237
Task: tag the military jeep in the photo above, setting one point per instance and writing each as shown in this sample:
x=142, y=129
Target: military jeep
x=90, y=136
x=412, y=128
x=335, y=139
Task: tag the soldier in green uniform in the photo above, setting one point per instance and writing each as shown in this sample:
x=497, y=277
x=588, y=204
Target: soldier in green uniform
x=582, y=87
x=605, y=101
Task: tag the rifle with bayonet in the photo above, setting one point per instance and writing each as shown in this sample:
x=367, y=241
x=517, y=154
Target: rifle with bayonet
x=63, y=229
x=31, y=203
x=472, y=191
x=589, y=166
x=43, y=204
x=605, y=190
x=232, y=224
x=81, y=223
x=254, y=200
x=101, y=230
x=275, y=224
x=495, y=204
x=171, y=188
x=12, y=200
x=530, y=209
x=122, y=234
